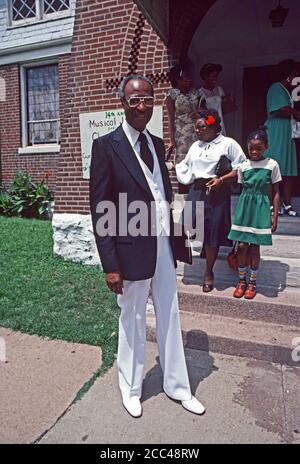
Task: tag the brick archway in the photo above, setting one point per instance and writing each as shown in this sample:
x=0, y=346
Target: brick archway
x=185, y=18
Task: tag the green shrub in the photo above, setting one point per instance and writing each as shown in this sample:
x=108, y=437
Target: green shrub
x=5, y=203
x=26, y=198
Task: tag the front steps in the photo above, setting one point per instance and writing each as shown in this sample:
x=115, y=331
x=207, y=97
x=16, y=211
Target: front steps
x=217, y=322
x=266, y=328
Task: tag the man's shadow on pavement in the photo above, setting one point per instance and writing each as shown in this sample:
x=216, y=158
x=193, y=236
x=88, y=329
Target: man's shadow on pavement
x=200, y=364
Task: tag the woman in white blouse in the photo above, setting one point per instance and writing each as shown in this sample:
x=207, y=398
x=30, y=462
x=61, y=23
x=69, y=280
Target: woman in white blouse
x=212, y=95
x=199, y=167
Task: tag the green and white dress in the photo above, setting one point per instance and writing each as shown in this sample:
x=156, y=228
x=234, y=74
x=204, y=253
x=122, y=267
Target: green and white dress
x=252, y=219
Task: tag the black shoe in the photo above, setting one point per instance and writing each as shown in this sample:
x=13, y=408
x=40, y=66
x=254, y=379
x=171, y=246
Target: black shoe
x=208, y=287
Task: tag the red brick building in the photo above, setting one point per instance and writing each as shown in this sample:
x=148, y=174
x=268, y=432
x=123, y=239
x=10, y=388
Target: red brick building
x=35, y=46
x=112, y=38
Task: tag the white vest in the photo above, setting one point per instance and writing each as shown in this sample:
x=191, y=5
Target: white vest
x=160, y=221
x=162, y=207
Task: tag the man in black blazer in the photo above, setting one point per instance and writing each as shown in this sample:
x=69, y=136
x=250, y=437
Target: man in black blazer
x=130, y=193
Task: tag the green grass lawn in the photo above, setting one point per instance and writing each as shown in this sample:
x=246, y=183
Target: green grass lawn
x=44, y=295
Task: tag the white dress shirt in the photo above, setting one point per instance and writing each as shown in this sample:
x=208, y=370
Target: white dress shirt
x=203, y=157
x=161, y=224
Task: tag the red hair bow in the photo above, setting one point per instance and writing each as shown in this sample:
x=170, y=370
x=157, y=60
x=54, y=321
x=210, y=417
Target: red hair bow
x=210, y=120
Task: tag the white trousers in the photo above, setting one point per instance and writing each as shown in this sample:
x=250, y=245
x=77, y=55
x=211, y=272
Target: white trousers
x=132, y=330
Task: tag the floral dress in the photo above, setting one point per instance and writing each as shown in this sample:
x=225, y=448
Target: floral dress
x=185, y=133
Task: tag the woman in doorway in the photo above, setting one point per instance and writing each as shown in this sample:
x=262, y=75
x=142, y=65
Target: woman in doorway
x=200, y=166
x=281, y=145
x=182, y=102
x=212, y=94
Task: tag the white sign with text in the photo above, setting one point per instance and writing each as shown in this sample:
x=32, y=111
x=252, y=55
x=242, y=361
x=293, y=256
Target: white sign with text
x=94, y=125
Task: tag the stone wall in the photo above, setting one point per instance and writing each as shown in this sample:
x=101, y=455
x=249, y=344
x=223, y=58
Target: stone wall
x=74, y=238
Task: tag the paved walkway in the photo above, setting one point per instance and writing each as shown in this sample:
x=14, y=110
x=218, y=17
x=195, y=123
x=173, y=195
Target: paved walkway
x=38, y=382
x=247, y=401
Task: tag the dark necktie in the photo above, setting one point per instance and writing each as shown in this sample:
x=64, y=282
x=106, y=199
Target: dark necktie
x=145, y=152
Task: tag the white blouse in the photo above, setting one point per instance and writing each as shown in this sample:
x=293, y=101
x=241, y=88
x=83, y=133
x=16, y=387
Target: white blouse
x=203, y=157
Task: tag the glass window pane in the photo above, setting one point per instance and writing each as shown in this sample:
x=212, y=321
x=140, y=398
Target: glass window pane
x=43, y=104
x=23, y=9
x=52, y=6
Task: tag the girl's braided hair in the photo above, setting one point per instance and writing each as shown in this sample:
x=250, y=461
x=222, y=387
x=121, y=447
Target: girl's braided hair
x=259, y=134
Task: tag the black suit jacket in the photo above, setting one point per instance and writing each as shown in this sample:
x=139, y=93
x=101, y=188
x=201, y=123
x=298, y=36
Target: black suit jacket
x=114, y=170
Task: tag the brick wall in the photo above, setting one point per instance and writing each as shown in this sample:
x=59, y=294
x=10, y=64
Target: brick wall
x=185, y=17
x=10, y=127
x=42, y=165
x=111, y=39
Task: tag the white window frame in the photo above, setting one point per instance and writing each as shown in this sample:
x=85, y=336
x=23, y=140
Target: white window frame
x=22, y=22
x=38, y=148
x=56, y=13
x=40, y=16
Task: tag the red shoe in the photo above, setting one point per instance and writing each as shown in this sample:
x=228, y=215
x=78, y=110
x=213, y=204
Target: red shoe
x=240, y=290
x=250, y=292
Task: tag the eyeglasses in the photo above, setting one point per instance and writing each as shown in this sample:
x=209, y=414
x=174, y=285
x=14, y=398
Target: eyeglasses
x=133, y=102
x=199, y=128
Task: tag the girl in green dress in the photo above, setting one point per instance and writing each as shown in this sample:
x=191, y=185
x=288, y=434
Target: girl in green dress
x=253, y=224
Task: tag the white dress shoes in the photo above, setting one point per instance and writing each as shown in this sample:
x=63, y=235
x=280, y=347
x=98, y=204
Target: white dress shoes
x=133, y=406
x=193, y=405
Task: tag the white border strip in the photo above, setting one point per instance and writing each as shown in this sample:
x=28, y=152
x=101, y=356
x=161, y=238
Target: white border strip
x=252, y=230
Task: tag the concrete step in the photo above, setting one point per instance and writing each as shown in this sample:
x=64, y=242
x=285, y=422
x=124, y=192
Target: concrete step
x=275, y=274
x=288, y=226
x=263, y=328
x=284, y=246
x=232, y=336
x=284, y=310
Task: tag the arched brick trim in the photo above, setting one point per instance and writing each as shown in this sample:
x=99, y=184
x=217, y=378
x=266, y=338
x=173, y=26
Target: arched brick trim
x=145, y=42
x=136, y=44
x=185, y=17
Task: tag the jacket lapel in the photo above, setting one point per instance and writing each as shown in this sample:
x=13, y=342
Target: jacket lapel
x=126, y=154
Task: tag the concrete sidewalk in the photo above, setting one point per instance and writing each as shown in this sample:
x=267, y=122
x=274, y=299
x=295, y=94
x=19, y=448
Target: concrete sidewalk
x=39, y=379
x=247, y=401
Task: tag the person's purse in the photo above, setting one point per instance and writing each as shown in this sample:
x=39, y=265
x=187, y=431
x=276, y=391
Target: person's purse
x=232, y=260
x=182, y=247
x=232, y=257
x=223, y=167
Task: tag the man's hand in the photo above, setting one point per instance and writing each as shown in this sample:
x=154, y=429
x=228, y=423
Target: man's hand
x=274, y=223
x=114, y=281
